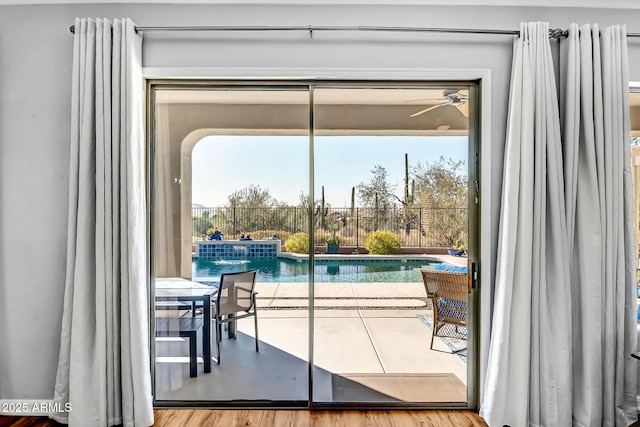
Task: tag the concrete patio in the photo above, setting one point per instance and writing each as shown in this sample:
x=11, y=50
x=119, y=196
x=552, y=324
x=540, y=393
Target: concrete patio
x=359, y=328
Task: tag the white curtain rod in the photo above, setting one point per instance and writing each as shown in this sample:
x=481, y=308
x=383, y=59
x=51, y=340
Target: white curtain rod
x=555, y=33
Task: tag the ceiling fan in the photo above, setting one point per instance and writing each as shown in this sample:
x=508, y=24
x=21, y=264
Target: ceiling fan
x=457, y=98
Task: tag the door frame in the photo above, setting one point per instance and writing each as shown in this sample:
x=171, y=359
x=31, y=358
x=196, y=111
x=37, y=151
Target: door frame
x=479, y=149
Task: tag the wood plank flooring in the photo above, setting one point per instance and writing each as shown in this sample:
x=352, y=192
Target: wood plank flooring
x=289, y=418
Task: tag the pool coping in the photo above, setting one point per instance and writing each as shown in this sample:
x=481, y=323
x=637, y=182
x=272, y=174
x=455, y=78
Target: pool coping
x=448, y=259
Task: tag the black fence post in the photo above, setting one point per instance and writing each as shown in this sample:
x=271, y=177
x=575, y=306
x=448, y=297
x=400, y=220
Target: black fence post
x=234, y=222
x=357, y=227
x=420, y=228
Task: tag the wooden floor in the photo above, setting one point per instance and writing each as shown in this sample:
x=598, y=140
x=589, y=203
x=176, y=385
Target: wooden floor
x=288, y=418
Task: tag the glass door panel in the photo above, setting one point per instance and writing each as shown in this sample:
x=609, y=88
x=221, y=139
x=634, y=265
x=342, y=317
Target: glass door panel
x=391, y=183
x=231, y=175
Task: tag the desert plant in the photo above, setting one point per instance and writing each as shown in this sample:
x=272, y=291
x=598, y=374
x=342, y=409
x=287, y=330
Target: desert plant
x=298, y=243
x=333, y=239
x=214, y=234
x=382, y=243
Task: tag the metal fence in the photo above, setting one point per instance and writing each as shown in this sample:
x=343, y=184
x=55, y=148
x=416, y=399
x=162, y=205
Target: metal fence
x=417, y=227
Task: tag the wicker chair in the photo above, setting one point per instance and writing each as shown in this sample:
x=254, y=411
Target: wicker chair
x=448, y=293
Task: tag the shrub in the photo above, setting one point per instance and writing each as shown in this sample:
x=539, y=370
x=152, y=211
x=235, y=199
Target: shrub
x=383, y=243
x=298, y=243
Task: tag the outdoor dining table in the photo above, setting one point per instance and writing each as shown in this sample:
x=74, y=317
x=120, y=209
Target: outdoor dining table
x=178, y=289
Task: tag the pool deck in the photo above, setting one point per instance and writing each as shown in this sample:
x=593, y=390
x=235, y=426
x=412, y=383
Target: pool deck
x=341, y=296
x=358, y=327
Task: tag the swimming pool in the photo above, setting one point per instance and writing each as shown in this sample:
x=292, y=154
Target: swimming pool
x=288, y=270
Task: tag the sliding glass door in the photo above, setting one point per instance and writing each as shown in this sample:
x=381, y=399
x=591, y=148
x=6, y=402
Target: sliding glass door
x=349, y=200
x=231, y=181
x=391, y=184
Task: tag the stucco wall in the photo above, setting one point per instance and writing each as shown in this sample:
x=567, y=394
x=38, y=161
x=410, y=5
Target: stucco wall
x=35, y=75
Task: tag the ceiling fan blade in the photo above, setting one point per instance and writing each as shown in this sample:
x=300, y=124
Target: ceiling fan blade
x=433, y=107
x=464, y=92
x=464, y=109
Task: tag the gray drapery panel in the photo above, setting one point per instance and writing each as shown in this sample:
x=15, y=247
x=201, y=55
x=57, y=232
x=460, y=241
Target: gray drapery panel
x=595, y=104
x=527, y=381
x=564, y=310
x=104, y=367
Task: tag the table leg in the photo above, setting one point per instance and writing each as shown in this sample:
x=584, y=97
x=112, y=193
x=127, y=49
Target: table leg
x=193, y=354
x=206, y=333
x=233, y=326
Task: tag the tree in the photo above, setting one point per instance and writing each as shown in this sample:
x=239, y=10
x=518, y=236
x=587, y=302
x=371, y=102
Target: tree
x=442, y=187
x=253, y=208
x=252, y=196
x=378, y=194
x=378, y=191
x=202, y=223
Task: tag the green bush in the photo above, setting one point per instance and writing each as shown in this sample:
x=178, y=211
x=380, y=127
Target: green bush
x=298, y=243
x=383, y=243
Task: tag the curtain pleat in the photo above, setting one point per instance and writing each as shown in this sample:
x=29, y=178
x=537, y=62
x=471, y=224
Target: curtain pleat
x=104, y=367
x=584, y=211
x=580, y=296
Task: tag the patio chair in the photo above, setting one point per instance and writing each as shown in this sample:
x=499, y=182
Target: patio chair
x=236, y=299
x=448, y=293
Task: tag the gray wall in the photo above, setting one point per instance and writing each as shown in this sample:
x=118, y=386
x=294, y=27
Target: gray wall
x=35, y=75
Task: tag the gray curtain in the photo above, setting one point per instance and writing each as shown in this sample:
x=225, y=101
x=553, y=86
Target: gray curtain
x=104, y=367
x=527, y=380
x=564, y=310
x=599, y=200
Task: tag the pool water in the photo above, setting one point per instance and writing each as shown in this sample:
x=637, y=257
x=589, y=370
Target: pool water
x=287, y=270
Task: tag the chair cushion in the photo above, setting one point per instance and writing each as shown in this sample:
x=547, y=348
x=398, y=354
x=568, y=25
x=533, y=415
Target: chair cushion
x=452, y=309
x=451, y=268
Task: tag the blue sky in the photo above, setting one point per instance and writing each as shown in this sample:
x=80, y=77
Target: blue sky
x=223, y=164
